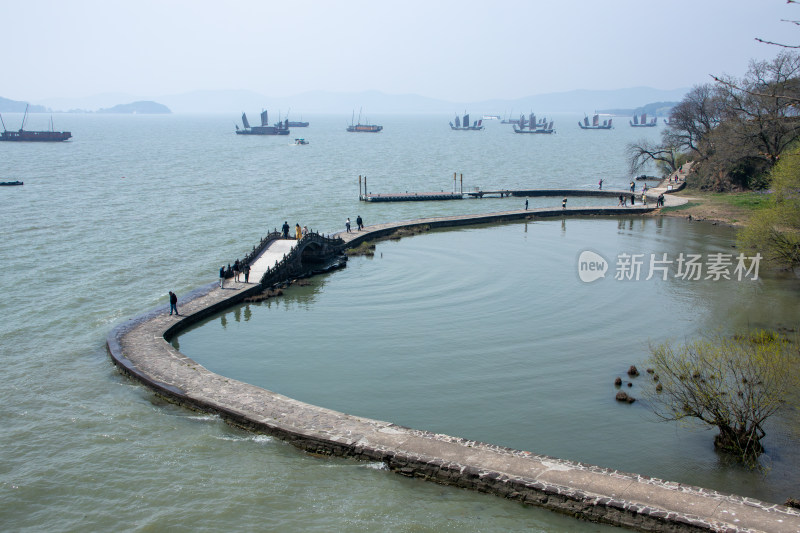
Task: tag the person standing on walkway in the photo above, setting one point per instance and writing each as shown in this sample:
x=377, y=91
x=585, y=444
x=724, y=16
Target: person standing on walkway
x=247, y=272
x=564, y=203
x=298, y=233
x=600, y=184
x=305, y=231
x=236, y=271
x=222, y=277
x=633, y=200
x=285, y=229
x=359, y=223
x=526, y=204
x=173, y=304
x=347, y=224
x=633, y=186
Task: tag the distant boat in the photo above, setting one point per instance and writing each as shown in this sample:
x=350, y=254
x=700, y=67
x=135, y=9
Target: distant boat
x=491, y=117
x=362, y=128
x=509, y=120
x=36, y=136
x=464, y=126
x=295, y=123
x=642, y=122
x=532, y=125
x=595, y=125
x=300, y=141
x=280, y=128
x=10, y=183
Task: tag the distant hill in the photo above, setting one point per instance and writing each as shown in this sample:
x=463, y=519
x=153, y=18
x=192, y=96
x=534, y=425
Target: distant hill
x=372, y=102
x=655, y=109
x=14, y=106
x=141, y=108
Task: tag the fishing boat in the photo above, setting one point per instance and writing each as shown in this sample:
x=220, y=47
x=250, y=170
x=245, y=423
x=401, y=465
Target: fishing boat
x=362, y=128
x=532, y=125
x=280, y=128
x=642, y=122
x=300, y=141
x=509, y=120
x=464, y=126
x=10, y=183
x=295, y=123
x=36, y=136
x=595, y=125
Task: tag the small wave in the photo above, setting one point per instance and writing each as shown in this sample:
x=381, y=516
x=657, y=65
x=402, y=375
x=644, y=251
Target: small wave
x=203, y=418
x=374, y=466
x=258, y=439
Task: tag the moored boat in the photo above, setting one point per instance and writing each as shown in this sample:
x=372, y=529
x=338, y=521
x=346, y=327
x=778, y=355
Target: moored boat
x=642, y=122
x=10, y=183
x=362, y=128
x=509, y=120
x=280, y=128
x=464, y=125
x=595, y=125
x=532, y=125
x=34, y=136
x=300, y=141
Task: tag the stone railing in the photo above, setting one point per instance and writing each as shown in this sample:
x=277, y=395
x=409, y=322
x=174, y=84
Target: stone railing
x=290, y=264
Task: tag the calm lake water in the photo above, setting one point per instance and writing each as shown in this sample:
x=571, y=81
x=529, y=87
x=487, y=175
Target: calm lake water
x=485, y=332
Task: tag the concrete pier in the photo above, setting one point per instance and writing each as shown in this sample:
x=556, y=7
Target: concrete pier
x=141, y=349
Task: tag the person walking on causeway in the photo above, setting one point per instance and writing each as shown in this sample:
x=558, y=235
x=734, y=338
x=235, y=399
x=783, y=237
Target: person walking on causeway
x=359, y=223
x=173, y=304
x=285, y=229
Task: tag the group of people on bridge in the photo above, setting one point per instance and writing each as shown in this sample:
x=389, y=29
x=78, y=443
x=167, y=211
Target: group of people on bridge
x=236, y=271
x=299, y=232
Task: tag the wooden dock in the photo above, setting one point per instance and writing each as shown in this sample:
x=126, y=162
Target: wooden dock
x=411, y=197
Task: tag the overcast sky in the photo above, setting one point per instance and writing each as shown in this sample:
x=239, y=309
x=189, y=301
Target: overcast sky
x=454, y=50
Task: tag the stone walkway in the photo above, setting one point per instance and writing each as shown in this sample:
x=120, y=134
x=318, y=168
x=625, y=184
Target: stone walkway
x=141, y=349
x=271, y=255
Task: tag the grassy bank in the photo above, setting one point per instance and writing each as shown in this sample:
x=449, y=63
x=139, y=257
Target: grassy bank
x=734, y=209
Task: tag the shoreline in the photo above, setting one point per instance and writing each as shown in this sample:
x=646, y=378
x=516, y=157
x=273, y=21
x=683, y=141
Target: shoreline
x=716, y=208
x=140, y=348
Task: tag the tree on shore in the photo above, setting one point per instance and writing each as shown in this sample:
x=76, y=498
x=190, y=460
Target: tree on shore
x=733, y=384
x=775, y=232
x=735, y=129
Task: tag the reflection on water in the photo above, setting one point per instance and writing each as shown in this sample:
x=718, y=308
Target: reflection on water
x=488, y=333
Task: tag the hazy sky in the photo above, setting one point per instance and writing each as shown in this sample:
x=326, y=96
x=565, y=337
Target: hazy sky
x=454, y=50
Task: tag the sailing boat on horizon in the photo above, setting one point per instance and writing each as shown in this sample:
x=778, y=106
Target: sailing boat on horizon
x=280, y=128
x=642, y=122
x=464, y=126
x=606, y=125
x=533, y=126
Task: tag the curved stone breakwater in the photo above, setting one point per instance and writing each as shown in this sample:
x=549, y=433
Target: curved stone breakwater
x=141, y=349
